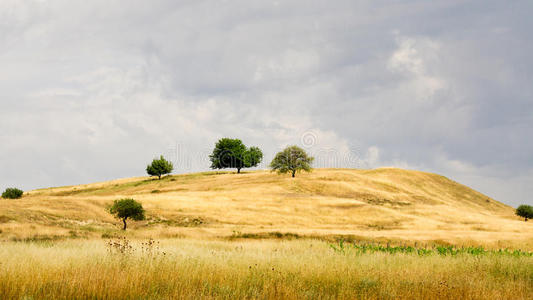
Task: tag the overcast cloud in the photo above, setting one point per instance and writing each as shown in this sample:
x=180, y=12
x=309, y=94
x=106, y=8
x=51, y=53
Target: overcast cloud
x=93, y=90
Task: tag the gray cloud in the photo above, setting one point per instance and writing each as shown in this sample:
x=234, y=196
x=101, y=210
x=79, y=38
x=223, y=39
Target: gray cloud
x=92, y=90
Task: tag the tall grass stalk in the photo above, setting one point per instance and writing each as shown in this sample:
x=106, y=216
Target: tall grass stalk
x=297, y=269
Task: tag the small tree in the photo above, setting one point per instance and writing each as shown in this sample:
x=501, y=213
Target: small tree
x=232, y=153
x=293, y=159
x=159, y=167
x=127, y=208
x=12, y=193
x=525, y=211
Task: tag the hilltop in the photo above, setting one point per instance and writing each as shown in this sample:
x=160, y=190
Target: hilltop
x=384, y=203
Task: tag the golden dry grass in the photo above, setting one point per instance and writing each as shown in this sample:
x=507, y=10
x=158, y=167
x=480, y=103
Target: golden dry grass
x=214, y=226
x=304, y=269
x=369, y=204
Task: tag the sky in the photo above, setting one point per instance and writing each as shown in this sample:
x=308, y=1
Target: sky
x=94, y=90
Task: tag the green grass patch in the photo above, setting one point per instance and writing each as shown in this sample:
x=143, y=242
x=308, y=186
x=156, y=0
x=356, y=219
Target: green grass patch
x=343, y=247
x=264, y=235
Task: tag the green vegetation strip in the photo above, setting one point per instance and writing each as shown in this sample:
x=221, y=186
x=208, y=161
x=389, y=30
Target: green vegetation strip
x=343, y=247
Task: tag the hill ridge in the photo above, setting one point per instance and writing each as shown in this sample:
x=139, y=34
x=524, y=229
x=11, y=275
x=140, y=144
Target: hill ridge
x=384, y=202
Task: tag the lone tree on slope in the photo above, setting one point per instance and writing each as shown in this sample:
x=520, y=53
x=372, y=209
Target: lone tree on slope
x=127, y=208
x=293, y=159
x=159, y=167
x=232, y=153
x=525, y=211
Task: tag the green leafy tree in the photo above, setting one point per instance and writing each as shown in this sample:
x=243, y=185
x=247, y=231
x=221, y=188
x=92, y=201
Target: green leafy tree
x=12, y=193
x=252, y=157
x=159, y=167
x=525, y=211
x=127, y=209
x=293, y=159
x=232, y=153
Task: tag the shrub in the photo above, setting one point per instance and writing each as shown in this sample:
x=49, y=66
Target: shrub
x=12, y=193
x=525, y=211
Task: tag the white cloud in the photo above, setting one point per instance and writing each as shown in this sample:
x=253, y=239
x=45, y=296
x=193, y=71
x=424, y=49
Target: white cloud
x=412, y=59
x=290, y=64
x=91, y=90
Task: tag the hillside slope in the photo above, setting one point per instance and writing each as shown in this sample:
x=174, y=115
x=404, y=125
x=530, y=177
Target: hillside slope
x=381, y=203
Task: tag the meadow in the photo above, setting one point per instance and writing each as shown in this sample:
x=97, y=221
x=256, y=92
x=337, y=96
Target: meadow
x=382, y=204
x=332, y=233
x=254, y=269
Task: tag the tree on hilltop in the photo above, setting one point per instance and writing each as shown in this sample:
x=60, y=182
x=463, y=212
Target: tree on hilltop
x=252, y=157
x=159, y=167
x=232, y=153
x=291, y=160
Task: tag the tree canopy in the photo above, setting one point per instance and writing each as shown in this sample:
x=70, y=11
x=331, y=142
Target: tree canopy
x=525, y=211
x=12, y=193
x=232, y=153
x=292, y=159
x=159, y=167
x=127, y=208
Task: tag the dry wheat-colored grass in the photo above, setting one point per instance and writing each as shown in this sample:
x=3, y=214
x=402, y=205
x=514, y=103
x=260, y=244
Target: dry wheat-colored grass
x=374, y=204
x=193, y=269
x=260, y=235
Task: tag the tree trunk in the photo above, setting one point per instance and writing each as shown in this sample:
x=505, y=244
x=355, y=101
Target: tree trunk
x=238, y=170
x=159, y=177
x=124, y=221
x=526, y=219
x=293, y=173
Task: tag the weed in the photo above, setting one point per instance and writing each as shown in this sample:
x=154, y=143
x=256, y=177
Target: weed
x=339, y=248
x=151, y=248
x=120, y=245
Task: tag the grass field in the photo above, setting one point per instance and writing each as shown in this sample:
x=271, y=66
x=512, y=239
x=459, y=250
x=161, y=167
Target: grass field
x=268, y=269
x=333, y=233
x=368, y=204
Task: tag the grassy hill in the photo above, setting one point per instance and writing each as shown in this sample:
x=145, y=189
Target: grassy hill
x=376, y=204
